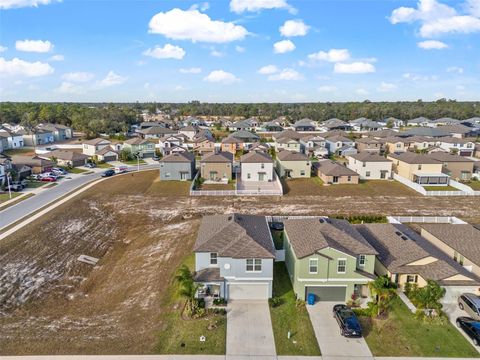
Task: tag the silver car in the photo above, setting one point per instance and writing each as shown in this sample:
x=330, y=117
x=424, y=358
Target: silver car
x=470, y=303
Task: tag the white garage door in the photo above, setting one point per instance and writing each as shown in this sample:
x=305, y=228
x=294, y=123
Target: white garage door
x=248, y=291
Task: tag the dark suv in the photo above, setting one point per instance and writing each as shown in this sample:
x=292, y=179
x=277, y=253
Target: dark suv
x=471, y=328
x=108, y=173
x=347, y=320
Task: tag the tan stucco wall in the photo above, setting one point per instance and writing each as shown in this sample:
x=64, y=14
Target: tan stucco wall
x=456, y=169
x=407, y=170
x=220, y=168
x=341, y=179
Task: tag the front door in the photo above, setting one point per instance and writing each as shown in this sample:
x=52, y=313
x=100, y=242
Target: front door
x=261, y=177
x=183, y=176
x=383, y=174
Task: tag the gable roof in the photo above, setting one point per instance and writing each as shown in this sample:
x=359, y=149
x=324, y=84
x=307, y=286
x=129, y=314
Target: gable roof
x=286, y=155
x=288, y=134
x=243, y=134
x=464, y=238
x=331, y=168
x=446, y=157
x=425, y=131
x=137, y=141
x=307, y=236
x=369, y=157
x=256, y=157
x=68, y=155
x=218, y=157
x=414, y=158
x=235, y=235
x=96, y=141
x=184, y=156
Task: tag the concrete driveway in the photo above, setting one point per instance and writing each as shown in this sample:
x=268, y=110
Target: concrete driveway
x=249, y=328
x=453, y=312
x=327, y=331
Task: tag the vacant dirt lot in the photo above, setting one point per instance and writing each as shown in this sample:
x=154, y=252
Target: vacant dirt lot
x=140, y=229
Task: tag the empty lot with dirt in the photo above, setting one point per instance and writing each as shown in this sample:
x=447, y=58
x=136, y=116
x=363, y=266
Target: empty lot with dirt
x=140, y=229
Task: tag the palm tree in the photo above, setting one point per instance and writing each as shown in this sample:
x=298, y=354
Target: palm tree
x=384, y=290
x=188, y=288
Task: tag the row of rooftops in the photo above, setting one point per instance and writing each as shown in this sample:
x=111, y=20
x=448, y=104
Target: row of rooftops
x=396, y=246
x=227, y=157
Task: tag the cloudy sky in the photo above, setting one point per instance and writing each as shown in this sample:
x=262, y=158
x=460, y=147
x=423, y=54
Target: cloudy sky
x=239, y=50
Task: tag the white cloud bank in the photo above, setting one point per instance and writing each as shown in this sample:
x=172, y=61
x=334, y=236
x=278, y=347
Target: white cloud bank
x=432, y=45
x=294, y=28
x=268, y=70
x=386, y=87
x=286, y=75
x=168, y=51
x=78, y=76
x=221, y=76
x=10, y=4
x=357, y=67
x=193, y=70
x=70, y=88
x=111, y=79
x=195, y=26
x=38, y=46
x=240, y=6
x=283, y=46
x=332, y=55
x=20, y=67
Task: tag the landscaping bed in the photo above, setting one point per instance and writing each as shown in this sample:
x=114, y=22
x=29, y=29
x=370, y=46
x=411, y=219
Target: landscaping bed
x=440, y=188
x=402, y=334
x=277, y=236
x=290, y=315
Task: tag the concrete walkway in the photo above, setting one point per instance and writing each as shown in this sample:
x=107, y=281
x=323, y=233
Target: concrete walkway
x=406, y=301
x=249, y=329
x=332, y=344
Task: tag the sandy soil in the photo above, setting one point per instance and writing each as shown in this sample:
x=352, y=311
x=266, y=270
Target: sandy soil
x=140, y=229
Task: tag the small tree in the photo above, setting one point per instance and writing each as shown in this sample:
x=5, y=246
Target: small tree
x=429, y=296
x=384, y=291
x=187, y=289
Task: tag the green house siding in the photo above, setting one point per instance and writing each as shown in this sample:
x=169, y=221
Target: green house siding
x=327, y=274
x=143, y=150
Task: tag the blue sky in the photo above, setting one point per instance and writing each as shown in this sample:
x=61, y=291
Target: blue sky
x=239, y=50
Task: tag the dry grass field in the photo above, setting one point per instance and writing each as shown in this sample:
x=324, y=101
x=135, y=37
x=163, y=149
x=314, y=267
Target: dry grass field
x=140, y=229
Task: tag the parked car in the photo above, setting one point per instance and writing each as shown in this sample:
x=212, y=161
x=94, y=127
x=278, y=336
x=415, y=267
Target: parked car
x=108, y=173
x=155, y=158
x=471, y=328
x=59, y=171
x=14, y=186
x=347, y=320
x=48, y=178
x=276, y=226
x=121, y=169
x=470, y=303
x=90, y=165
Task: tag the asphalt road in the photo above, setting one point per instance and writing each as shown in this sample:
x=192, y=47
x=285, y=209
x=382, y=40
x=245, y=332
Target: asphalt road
x=16, y=212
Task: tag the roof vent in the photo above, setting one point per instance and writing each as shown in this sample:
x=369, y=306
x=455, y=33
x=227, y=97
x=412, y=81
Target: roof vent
x=321, y=221
x=404, y=237
x=398, y=233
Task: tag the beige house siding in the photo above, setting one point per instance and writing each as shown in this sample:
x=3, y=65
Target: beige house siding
x=222, y=169
x=341, y=179
x=456, y=169
x=295, y=167
x=425, y=261
x=407, y=170
x=395, y=147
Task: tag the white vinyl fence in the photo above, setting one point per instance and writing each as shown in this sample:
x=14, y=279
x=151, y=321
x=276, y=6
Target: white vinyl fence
x=464, y=190
x=425, y=219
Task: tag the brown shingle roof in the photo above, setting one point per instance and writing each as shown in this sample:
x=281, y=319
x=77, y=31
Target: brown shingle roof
x=208, y=274
x=331, y=168
x=286, y=155
x=179, y=157
x=66, y=155
x=464, y=238
x=236, y=235
x=307, y=236
x=369, y=157
x=95, y=141
x=218, y=157
x=413, y=158
x=137, y=141
x=446, y=157
x=256, y=157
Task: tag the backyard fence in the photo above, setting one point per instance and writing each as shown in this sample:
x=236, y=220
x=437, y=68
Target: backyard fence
x=464, y=190
x=425, y=219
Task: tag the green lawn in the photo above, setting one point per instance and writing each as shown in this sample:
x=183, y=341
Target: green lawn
x=440, y=188
x=277, y=239
x=180, y=336
x=134, y=162
x=5, y=196
x=290, y=317
x=475, y=185
x=104, y=166
x=74, y=170
x=404, y=335
x=35, y=184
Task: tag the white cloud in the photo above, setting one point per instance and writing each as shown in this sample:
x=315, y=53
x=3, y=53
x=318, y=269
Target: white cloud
x=193, y=25
x=3, y=48
x=57, y=57
x=438, y=19
x=286, y=74
x=386, y=87
x=354, y=68
x=9, y=4
x=220, y=76
x=216, y=53
x=332, y=55
x=193, y=70
x=268, y=70
x=283, y=46
x=78, y=76
x=168, y=51
x=111, y=79
x=70, y=88
x=416, y=77
x=239, y=49
x=455, y=69
x=327, y=88
x=24, y=68
x=202, y=7
x=240, y=6
x=38, y=46
x=432, y=44
x=473, y=7
x=294, y=28
x=361, y=91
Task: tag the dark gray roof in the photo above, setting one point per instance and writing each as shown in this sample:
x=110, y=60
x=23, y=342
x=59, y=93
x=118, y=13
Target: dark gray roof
x=286, y=155
x=331, y=168
x=369, y=157
x=288, y=134
x=463, y=238
x=307, y=236
x=218, y=157
x=256, y=157
x=446, y=157
x=398, y=246
x=236, y=235
x=184, y=157
x=244, y=135
x=424, y=131
x=208, y=274
x=65, y=155
x=414, y=158
x=96, y=141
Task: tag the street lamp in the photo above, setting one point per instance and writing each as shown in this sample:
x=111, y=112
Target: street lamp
x=137, y=155
x=8, y=184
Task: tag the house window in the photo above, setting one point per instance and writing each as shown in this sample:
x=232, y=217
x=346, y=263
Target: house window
x=367, y=174
x=254, y=265
x=302, y=172
x=361, y=260
x=213, y=259
x=335, y=179
x=364, y=164
x=349, y=178
x=248, y=176
x=167, y=175
x=412, y=278
x=263, y=166
x=313, y=266
x=342, y=266
x=419, y=167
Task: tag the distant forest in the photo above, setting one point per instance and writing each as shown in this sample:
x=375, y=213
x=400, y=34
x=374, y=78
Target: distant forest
x=113, y=118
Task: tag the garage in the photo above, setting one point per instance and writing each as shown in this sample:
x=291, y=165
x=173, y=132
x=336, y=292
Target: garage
x=248, y=291
x=452, y=293
x=327, y=293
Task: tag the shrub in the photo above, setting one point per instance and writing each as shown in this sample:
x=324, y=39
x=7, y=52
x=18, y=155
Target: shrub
x=275, y=301
x=219, y=301
x=299, y=302
x=201, y=303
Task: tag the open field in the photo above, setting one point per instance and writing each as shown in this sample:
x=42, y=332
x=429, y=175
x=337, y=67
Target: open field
x=141, y=229
x=404, y=335
x=314, y=186
x=20, y=151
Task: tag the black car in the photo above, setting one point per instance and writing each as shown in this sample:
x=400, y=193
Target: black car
x=471, y=328
x=276, y=226
x=108, y=173
x=347, y=320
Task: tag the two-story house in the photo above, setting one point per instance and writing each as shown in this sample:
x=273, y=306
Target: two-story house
x=234, y=257
x=292, y=164
x=327, y=258
x=462, y=147
x=419, y=168
x=370, y=166
x=177, y=166
x=99, y=148
x=256, y=166
x=142, y=147
x=217, y=166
